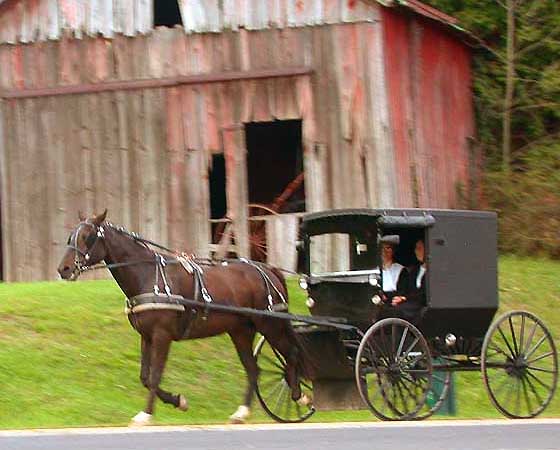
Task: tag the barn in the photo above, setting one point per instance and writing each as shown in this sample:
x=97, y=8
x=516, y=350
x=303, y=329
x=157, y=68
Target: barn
x=209, y=125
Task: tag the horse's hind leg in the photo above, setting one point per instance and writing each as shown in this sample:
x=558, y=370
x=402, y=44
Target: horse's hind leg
x=243, y=341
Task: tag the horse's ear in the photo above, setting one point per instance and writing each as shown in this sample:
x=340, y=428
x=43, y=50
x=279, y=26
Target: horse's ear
x=98, y=220
x=81, y=216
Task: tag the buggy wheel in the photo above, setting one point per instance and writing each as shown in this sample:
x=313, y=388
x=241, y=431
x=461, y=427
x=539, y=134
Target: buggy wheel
x=273, y=392
x=393, y=369
x=519, y=365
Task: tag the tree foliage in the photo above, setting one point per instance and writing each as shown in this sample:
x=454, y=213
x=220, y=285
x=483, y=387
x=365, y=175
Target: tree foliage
x=525, y=188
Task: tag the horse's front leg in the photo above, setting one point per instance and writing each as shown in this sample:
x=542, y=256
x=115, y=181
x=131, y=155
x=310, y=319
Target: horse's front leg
x=154, y=356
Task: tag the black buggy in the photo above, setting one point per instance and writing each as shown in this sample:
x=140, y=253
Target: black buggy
x=357, y=359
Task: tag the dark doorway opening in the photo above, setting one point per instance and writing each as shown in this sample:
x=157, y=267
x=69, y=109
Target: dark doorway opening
x=167, y=13
x=218, y=198
x=275, y=165
x=217, y=178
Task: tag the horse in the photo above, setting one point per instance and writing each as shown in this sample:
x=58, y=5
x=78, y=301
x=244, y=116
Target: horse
x=138, y=270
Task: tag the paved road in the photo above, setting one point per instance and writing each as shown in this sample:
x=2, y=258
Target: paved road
x=434, y=435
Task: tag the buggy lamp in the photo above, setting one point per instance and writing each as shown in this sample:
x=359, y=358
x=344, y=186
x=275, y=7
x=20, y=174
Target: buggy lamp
x=450, y=339
x=310, y=302
x=376, y=300
x=303, y=284
x=372, y=279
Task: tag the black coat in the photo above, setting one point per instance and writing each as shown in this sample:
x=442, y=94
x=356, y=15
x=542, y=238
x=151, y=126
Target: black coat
x=416, y=295
x=411, y=308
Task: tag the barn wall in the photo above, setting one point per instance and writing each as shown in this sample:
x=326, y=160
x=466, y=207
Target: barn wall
x=32, y=20
x=429, y=85
x=144, y=153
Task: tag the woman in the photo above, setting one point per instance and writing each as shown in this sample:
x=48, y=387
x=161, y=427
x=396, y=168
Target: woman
x=395, y=276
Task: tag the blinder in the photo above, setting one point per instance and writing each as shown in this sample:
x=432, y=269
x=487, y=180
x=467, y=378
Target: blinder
x=81, y=258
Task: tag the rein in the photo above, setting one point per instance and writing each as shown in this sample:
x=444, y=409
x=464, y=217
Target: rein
x=190, y=264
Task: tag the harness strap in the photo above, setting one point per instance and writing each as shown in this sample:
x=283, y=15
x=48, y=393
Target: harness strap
x=267, y=281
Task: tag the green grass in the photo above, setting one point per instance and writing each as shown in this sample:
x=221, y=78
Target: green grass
x=68, y=356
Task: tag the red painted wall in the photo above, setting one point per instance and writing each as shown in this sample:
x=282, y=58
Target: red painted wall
x=428, y=77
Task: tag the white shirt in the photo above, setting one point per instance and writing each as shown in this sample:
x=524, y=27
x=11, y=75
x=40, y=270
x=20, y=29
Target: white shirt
x=419, y=277
x=391, y=277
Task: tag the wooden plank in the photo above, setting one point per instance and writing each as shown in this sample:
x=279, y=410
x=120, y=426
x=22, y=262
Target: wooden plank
x=162, y=162
x=176, y=168
x=281, y=236
x=123, y=69
x=20, y=206
x=6, y=173
x=30, y=205
x=236, y=185
x=149, y=178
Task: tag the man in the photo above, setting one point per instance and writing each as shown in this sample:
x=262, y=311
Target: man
x=409, y=305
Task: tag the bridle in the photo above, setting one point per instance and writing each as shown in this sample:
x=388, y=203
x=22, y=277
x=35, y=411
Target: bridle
x=81, y=258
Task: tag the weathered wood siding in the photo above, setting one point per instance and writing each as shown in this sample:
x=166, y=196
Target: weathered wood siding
x=32, y=20
x=144, y=154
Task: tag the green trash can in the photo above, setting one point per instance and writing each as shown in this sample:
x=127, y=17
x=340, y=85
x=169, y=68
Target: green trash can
x=448, y=407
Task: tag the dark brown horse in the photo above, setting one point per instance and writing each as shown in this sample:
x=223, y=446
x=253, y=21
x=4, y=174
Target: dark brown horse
x=134, y=266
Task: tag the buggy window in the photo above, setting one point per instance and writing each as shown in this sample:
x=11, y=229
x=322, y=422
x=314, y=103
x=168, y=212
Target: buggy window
x=342, y=252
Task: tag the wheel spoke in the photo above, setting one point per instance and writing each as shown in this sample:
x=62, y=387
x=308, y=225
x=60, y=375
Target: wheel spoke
x=533, y=390
x=280, y=395
x=411, y=346
x=272, y=361
x=540, y=369
x=506, y=341
x=531, y=335
x=498, y=349
x=521, y=334
x=538, y=358
x=526, y=395
x=278, y=386
x=517, y=398
x=513, y=338
x=538, y=380
x=537, y=345
x=394, y=342
x=403, y=339
x=504, y=383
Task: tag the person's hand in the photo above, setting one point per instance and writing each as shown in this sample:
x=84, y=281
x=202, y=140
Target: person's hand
x=398, y=299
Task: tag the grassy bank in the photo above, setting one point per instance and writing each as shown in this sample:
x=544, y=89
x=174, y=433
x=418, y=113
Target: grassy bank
x=68, y=356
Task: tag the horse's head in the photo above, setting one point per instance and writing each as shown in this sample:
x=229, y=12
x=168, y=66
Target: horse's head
x=85, y=247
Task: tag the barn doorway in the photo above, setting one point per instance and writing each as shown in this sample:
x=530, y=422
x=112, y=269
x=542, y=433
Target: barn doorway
x=167, y=13
x=275, y=165
x=218, y=197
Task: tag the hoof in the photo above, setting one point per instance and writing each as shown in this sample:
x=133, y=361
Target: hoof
x=305, y=400
x=241, y=415
x=141, y=419
x=183, y=404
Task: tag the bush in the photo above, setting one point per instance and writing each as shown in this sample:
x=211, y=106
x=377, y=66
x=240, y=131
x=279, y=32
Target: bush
x=528, y=203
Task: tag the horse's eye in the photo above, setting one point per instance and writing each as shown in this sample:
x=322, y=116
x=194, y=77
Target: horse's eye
x=90, y=240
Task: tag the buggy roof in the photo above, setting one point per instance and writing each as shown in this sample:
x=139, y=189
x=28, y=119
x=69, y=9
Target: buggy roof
x=357, y=220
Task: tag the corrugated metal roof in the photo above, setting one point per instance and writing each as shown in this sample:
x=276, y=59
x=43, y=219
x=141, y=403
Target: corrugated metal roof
x=47, y=18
